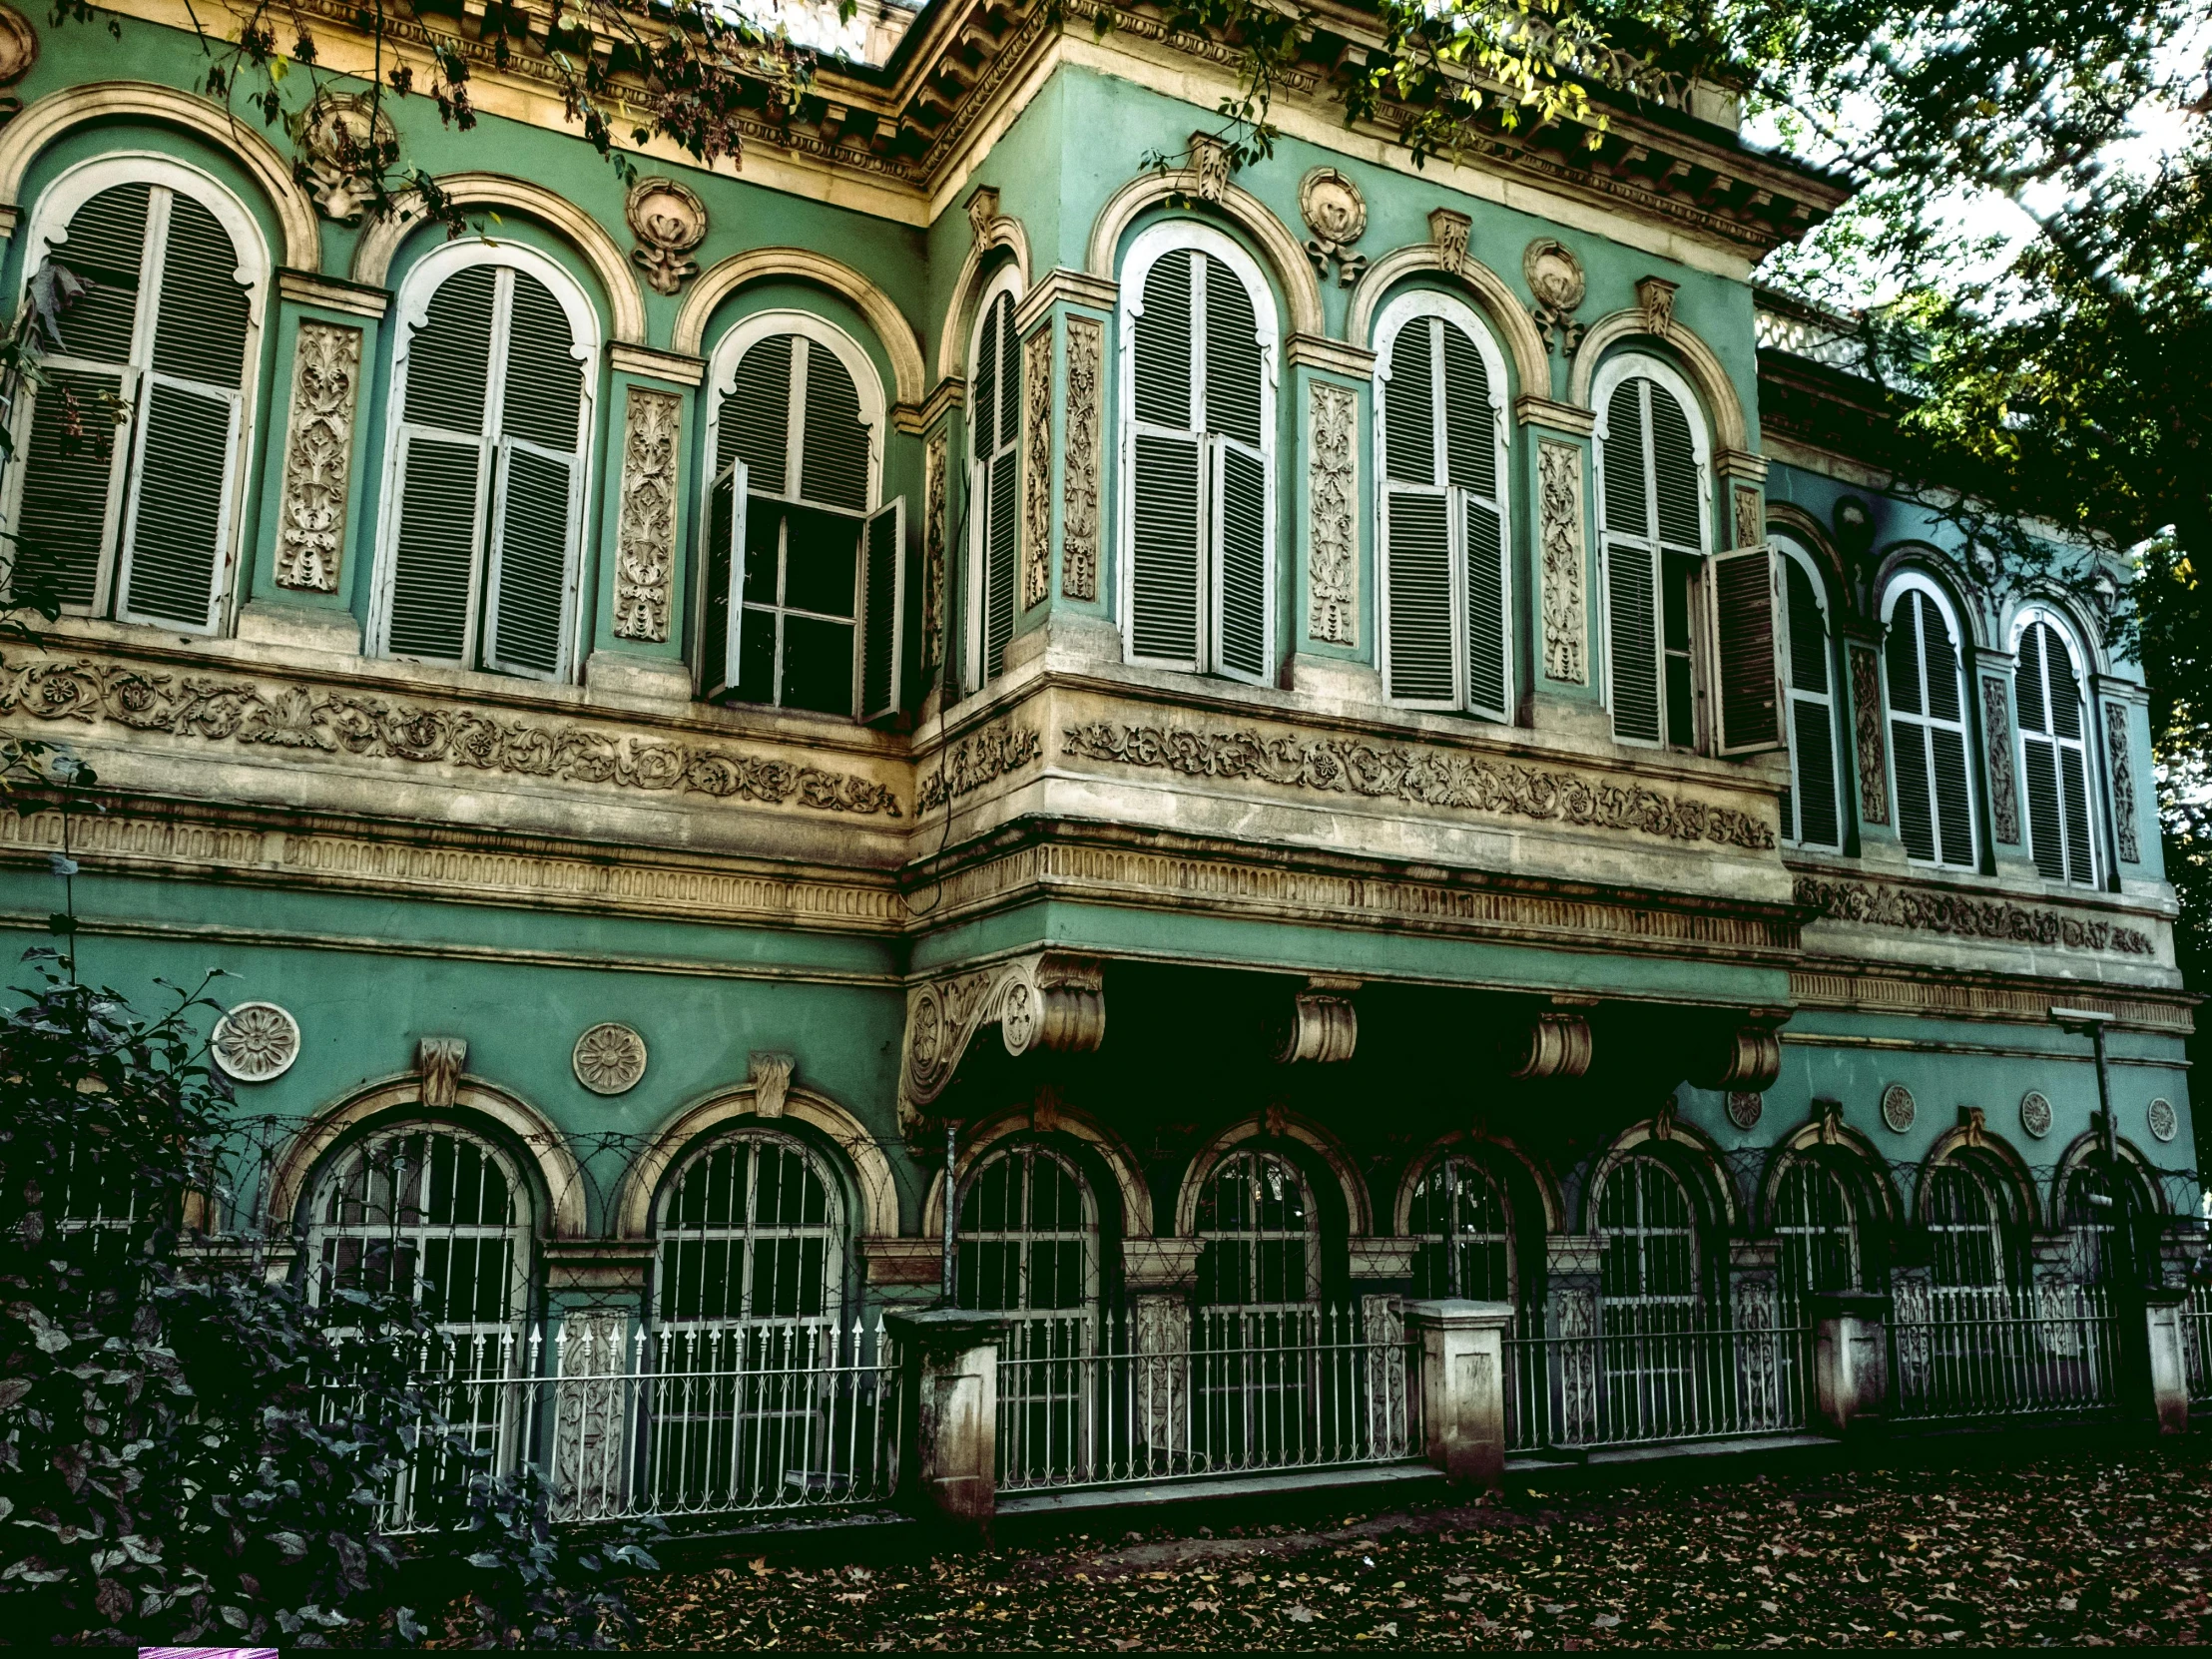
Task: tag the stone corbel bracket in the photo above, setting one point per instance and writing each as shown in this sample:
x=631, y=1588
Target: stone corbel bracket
x=1556, y=1042
x=1323, y=1026
x=1043, y=1000
x=1744, y=1055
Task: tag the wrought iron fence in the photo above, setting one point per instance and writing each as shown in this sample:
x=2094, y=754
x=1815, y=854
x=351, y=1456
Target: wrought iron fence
x=2196, y=1343
x=1175, y=1393
x=696, y=1419
x=1645, y=1376
x=2002, y=1352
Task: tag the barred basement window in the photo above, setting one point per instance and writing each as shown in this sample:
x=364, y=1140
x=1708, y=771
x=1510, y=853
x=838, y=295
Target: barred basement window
x=994, y=477
x=1028, y=1242
x=1811, y=808
x=804, y=575
x=751, y=1229
x=1447, y=599
x=1198, y=454
x=1259, y=1235
x=1464, y=1227
x=1928, y=730
x=2056, y=770
x=1965, y=1228
x=1817, y=1226
x=491, y=398
x=1648, y=1277
x=125, y=504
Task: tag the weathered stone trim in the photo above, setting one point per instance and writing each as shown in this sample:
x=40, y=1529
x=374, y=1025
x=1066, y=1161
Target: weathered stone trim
x=1951, y=996
x=645, y=532
x=1961, y=916
x=1865, y=713
x=1422, y=778
x=318, y=456
x=974, y=760
x=1332, y=505
x=1559, y=535
x=1036, y=467
x=1996, y=732
x=313, y=720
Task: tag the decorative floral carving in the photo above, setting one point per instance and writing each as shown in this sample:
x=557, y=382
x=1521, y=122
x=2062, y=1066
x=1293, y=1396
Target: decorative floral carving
x=1047, y=1000
x=1208, y=167
x=1865, y=713
x=2162, y=1120
x=318, y=456
x=1555, y=278
x=1337, y=213
x=1448, y=231
x=439, y=1062
x=345, y=140
x=1036, y=467
x=1423, y=778
x=976, y=759
x=1080, y=458
x=1745, y=1107
x=1997, y=730
x=1920, y=910
x=1751, y=518
x=609, y=1058
x=982, y=209
x=1898, y=1108
x=1559, y=536
x=2035, y=1114
x=1331, y=494
x=255, y=1042
x=669, y=220
x=645, y=534
x=932, y=552
x=2121, y=753
x=1655, y=295
x=344, y=721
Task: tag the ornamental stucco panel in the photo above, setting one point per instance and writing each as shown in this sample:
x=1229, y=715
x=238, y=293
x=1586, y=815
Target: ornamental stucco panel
x=1084, y=457
x=1036, y=467
x=2118, y=752
x=1331, y=496
x=1866, y=716
x=645, y=533
x=933, y=532
x=1559, y=539
x=318, y=456
x=1996, y=732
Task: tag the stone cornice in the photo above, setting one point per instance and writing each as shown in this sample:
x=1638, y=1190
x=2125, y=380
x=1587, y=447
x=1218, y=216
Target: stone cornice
x=655, y=365
x=2009, y=998
x=1332, y=356
x=305, y=287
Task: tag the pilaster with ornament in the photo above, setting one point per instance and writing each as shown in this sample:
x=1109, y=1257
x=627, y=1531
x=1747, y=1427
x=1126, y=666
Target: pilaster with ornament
x=644, y=524
x=1066, y=326
x=1555, y=475
x=2115, y=739
x=1328, y=383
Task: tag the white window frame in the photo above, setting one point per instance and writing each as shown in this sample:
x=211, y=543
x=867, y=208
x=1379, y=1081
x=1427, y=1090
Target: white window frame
x=1629, y=365
x=1796, y=552
x=747, y=1231
x=1912, y=581
x=1145, y=250
x=409, y=309
x=1406, y=309
x=722, y=382
x=1008, y=284
x=1454, y=1166
x=57, y=206
x=2091, y=774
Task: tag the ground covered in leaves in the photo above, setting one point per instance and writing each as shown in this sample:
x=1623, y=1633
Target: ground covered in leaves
x=2107, y=1549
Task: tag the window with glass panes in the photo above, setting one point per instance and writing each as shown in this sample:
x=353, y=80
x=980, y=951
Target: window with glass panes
x=1812, y=813
x=2054, y=773
x=1465, y=1232
x=750, y=1229
x=1927, y=729
x=131, y=438
x=1258, y=1234
x=1817, y=1226
x=1028, y=1235
x=1966, y=1229
x=1648, y=1273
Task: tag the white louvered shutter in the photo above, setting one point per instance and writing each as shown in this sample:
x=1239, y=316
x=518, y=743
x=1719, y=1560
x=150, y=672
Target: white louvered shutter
x=1631, y=571
x=443, y=469
x=1236, y=395
x=1166, y=563
x=1470, y=453
x=883, y=610
x=996, y=442
x=1810, y=810
x=1927, y=734
x=2054, y=768
x=1749, y=652
x=533, y=540
x=722, y=597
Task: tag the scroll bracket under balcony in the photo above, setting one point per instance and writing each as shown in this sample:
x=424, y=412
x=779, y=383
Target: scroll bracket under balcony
x=1044, y=1000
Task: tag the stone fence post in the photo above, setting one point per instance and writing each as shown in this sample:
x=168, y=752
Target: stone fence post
x=1851, y=1369
x=949, y=1413
x=2163, y=1368
x=1461, y=1378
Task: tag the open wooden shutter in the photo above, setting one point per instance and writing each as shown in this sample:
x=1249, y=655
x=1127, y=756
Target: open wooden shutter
x=1908, y=735
x=1631, y=571
x=1164, y=473
x=1484, y=554
x=724, y=588
x=69, y=469
x=1239, y=520
x=1416, y=529
x=533, y=540
x=1743, y=613
x=1471, y=468
x=883, y=609
x=441, y=470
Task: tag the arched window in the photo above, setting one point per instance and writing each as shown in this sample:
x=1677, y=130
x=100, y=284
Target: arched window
x=1812, y=813
x=1198, y=454
x=1928, y=727
x=1817, y=1225
x=1652, y=458
x=994, y=474
x=1439, y=386
x=804, y=575
x=1259, y=1235
x=750, y=1230
x=1464, y=1227
x=491, y=398
x=1965, y=1229
x=2055, y=766
x=1648, y=1276
x=2098, y=1213
x=126, y=501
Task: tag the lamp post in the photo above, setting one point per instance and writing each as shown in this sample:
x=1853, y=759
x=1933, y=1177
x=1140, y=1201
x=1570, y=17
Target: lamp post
x=2090, y=1023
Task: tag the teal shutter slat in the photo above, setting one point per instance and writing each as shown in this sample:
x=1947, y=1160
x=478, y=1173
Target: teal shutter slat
x=1626, y=513
x=883, y=596
x=1409, y=407
x=1954, y=822
x=754, y=426
x=983, y=438
x=1941, y=684
x=1470, y=446
x=1000, y=521
x=1419, y=596
x=834, y=443
x=1161, y=392
x=2065, y=689
x=1632, y=639
x=1815, y=793
x=1235, y=366
x=1241, y=530
x=68, y=479
x=2081, y=868
x=1486, y=622
x=449, y=356
x=434, y=549
x=1747, y=699
x=543, y=402
x=1674, y=469
x=173, y=546
x=717, y=651
x=531, y=559
x=201, y=326
x=1903, y=651
x=2035, y=711
x=1808, y=633
x=1165, y=554
x=105, y=248
x=1915, y=806
x=2045, y=838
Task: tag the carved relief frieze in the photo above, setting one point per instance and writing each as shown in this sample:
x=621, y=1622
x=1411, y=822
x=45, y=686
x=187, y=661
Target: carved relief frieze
x=1751, y=518
x=1421, y=777
x=1082, y=458
x=1331, y=496
x=1997, y=730
x=669, y=220
x=974, y=760
x=1559, y=537
x=317, y=720
x=1865, y=713
x=1045, y=1000
x=1208, y=167
x=933, y=531
x=2119, y=752
x=1961, y=916
x=645, y=530
x=318, y=456
x=1036, y=467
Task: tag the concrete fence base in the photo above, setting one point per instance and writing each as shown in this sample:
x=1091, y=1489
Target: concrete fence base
x=1461, y=1365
